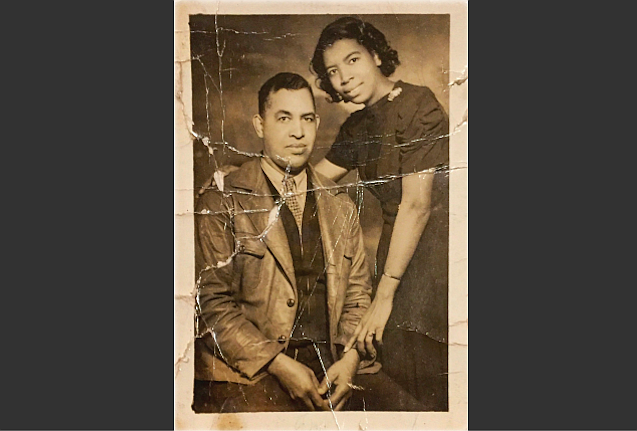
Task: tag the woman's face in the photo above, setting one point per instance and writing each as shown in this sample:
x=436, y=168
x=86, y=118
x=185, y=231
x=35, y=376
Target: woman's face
x=354, y=72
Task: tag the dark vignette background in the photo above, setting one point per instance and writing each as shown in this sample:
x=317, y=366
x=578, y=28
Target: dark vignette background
x=102, y=260
x=233, y=55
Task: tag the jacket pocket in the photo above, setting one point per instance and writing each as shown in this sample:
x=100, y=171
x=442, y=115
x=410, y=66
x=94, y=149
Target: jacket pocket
x=251, y=246
x=250, y=252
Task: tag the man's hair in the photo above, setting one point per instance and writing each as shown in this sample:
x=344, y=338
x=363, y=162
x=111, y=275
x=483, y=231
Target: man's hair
x=282, y=81
x=362, y=32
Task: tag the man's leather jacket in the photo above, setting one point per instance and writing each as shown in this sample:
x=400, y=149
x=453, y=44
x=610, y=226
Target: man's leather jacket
x=247, y=300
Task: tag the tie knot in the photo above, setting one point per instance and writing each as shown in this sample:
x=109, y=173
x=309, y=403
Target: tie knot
x=289, y=186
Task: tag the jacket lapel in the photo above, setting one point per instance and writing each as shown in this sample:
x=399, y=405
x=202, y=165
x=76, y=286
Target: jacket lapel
x=268, y=224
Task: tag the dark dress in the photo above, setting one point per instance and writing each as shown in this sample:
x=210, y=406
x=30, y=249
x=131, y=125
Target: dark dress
x=399, y=135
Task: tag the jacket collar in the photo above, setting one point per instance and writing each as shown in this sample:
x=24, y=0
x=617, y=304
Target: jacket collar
x=251, y=182
x=251, y=178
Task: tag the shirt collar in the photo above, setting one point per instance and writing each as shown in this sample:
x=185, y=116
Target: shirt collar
x=277, y=177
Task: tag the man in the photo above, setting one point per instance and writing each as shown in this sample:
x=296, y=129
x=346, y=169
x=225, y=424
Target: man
x=283, y=280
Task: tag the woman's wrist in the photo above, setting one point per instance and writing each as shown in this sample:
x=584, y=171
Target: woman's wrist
x=393, y=277
x=387, y=287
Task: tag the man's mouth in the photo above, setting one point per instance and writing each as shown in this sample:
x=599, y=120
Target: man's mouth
x=297, y=149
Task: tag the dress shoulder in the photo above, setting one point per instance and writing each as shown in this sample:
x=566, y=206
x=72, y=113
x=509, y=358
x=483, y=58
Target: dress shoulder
x=415, y=104
x=422, y=129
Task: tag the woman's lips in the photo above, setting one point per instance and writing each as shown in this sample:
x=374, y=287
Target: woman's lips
x=353, y=92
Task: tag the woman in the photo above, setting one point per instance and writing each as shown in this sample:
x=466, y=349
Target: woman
x=398, y=143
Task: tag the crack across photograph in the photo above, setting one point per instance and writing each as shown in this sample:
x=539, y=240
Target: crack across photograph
x=321, y=167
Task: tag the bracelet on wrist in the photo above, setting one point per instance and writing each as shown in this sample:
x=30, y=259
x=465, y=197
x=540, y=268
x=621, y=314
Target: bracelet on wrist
x=391, y=276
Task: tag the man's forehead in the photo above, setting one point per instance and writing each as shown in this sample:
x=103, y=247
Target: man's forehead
x=291, y=100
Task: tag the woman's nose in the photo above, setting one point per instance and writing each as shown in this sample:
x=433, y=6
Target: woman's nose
x=345, y=78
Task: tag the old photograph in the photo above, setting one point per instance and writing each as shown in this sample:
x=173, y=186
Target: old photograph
x=318, y=267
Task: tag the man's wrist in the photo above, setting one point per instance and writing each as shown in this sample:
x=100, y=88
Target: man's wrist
x=351, y=356
x=275, y=364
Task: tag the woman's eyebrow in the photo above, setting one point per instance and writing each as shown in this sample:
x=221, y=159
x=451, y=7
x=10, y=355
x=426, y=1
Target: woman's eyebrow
x=327, y=66
x=350, y=54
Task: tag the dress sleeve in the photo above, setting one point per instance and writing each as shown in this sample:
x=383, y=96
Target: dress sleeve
x=423, y=134
x=343, y=151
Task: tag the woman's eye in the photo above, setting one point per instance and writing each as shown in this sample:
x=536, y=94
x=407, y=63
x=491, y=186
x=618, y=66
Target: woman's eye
x=353, y=60
x=331, y=72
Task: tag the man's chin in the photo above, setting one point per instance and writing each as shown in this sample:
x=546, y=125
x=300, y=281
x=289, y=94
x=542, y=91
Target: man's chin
x=295, y=169
x=294, y=164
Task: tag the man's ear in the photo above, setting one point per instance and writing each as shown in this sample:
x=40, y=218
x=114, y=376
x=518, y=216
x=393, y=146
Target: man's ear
x=257, y=122
x=317, y=118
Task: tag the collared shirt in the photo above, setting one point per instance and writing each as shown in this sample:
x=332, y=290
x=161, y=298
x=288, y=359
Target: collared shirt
x=277, y=178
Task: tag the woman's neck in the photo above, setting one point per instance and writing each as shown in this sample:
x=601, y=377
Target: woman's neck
x=385, y=86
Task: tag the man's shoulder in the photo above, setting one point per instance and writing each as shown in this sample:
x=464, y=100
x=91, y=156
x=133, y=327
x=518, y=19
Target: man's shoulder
x=244, y=175
x=241, y=177
x=211, y=200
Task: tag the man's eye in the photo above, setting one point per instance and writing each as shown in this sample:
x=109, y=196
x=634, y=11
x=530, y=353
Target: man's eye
x=284, y=119
x=309, y=119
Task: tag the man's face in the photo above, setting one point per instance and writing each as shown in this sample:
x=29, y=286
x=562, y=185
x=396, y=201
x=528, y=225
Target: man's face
x=288, y=128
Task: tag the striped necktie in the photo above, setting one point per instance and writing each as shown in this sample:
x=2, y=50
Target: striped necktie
x=292, y=201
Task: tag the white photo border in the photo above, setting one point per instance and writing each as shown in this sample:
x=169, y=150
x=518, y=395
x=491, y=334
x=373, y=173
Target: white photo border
x=184, y=265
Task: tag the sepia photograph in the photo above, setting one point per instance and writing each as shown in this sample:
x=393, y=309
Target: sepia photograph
x=317, y=268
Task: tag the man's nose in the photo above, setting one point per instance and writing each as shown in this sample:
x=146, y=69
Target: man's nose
x=296, y=129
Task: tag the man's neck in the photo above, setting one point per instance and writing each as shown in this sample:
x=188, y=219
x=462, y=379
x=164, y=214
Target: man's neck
x=287, y=172
x=278, y=175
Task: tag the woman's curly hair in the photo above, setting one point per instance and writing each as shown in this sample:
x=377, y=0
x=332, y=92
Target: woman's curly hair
x=362, y=32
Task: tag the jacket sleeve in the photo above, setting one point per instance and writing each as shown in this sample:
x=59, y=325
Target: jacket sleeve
x=235, y=339
x=358, y=293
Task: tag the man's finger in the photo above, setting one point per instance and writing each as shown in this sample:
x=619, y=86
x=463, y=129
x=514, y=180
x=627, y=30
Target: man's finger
x=317, y=400
x=322, y=387
x=308, y=402
x=342, y=403
x=339, y=393
x=314, y=380
x=328, y=381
